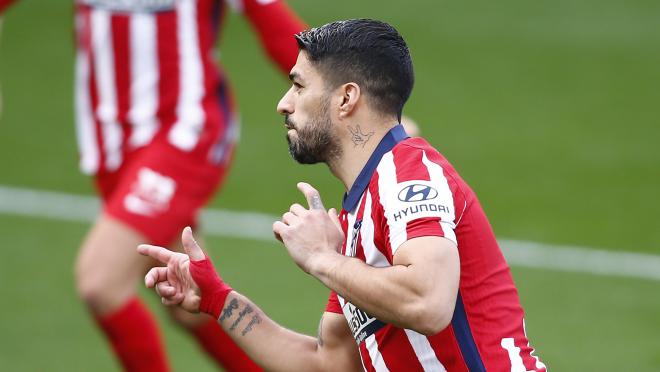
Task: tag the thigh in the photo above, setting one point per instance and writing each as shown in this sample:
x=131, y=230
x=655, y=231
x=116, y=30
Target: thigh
x=109, y=268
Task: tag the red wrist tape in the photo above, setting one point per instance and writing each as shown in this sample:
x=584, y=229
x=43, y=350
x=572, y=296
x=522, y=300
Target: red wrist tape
x=214, y=290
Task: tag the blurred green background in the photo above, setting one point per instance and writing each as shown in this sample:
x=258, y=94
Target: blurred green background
x=549, y=109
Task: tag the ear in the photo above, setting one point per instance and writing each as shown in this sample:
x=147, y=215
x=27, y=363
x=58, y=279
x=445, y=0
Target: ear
x=350, y=96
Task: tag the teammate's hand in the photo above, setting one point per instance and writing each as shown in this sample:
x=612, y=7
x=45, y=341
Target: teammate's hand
x=174, y=282
x=308, y=234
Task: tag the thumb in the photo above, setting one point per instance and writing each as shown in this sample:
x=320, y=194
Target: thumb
x=190, y=246
x=335, y=218
x=311, y=194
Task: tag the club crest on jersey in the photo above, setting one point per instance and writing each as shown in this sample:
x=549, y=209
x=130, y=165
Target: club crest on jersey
x=354, y=238
x=132, y=5
x=417, y=192
x=150, y=194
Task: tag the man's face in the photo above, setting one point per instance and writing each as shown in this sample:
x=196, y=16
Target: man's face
x=306, y=110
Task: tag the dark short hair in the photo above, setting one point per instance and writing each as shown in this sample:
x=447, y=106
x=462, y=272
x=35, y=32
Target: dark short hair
x=365, y=51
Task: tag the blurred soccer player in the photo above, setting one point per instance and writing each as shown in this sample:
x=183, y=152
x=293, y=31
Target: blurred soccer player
x=417, y=279
x=156, y=127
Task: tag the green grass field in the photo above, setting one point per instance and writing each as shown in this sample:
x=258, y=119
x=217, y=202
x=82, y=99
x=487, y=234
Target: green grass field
x=548, y=109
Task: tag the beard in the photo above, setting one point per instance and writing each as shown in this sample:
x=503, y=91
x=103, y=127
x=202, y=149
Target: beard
x=315, y=141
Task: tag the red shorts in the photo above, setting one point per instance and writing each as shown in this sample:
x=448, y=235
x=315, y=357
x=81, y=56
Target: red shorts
x=159, y=189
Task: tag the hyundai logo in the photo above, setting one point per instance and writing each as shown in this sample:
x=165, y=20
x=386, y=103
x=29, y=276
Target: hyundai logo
x=415, y=193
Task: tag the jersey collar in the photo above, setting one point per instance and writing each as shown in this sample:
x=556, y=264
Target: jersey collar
x=394, y=136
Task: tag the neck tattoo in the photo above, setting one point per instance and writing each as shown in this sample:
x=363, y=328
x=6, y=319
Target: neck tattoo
x=359, y=138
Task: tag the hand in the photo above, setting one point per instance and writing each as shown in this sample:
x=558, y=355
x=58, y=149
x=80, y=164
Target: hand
x=174, y=282
x=309, y=234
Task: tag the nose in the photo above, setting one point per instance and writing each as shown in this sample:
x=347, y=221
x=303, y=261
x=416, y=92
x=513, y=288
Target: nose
x=285, y=106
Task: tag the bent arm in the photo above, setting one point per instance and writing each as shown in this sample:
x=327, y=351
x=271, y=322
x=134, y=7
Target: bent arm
x=276, y=24
x=418, y=292
x=276, y=348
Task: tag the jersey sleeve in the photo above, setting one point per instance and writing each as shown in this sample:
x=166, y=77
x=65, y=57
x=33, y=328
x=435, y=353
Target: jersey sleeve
x=276, y=24
x=333, y=304
x=417, y=196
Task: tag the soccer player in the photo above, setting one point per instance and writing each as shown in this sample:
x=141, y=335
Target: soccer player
x=417, y=279
x=156, y=127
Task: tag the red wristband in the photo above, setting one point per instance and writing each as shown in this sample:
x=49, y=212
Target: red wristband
x=214, y=290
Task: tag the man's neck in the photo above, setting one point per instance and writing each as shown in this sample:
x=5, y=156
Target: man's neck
x=360, y=141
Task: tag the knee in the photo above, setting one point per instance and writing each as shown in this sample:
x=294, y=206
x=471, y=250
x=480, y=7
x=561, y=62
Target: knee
x=94, y=285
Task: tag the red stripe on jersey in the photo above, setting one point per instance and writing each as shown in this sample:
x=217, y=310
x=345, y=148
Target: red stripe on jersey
x=448, y=351
x=426, y=226
x=458, y=193
x=168, y=60
x=333, y=305
x=381, y=228
x=366, y=359
x=122, y=54
x=396, y=350
x=406, y=161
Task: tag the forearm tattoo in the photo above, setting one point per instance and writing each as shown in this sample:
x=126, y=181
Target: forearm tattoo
x=359, y=138
x=229, y=310
x=256, y=319
x=248, y=309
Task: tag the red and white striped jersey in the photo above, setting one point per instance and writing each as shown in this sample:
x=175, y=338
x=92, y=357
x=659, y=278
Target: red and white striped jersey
x=146, y=71
x=408, y=189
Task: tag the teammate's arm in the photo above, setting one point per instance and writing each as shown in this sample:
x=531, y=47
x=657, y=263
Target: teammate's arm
x=190, y=281
x=275, y=23
x=418, y=292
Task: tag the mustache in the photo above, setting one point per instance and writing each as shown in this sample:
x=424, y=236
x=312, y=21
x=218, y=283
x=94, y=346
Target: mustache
x=288, y=123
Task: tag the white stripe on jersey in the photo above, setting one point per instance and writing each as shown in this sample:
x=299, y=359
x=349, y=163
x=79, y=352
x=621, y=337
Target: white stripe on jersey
x=424, y=352
x=105, y=84
x=144, y=79
x=86, y=129
x=444, y=195
x=190, y=115
x=373, y=256
x=386, y=182
x=376, y=357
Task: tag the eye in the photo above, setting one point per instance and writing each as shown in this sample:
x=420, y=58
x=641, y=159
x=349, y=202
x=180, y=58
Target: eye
x=297, y=86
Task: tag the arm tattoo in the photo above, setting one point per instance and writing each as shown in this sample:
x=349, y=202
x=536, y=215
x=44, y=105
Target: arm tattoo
x=358, y=137
x=256, y=319
x=229, y=310
x=245, y=311
x=319, y=339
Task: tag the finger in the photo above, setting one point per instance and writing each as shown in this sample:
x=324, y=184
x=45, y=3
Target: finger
x=335, y=218
x=164, y=289
x=312, y=195
x=159, y=253
x=278, y=229
x=289, y=218
x=191, y=247
x=171, y=301
x=155, y=275
x=297, y=209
